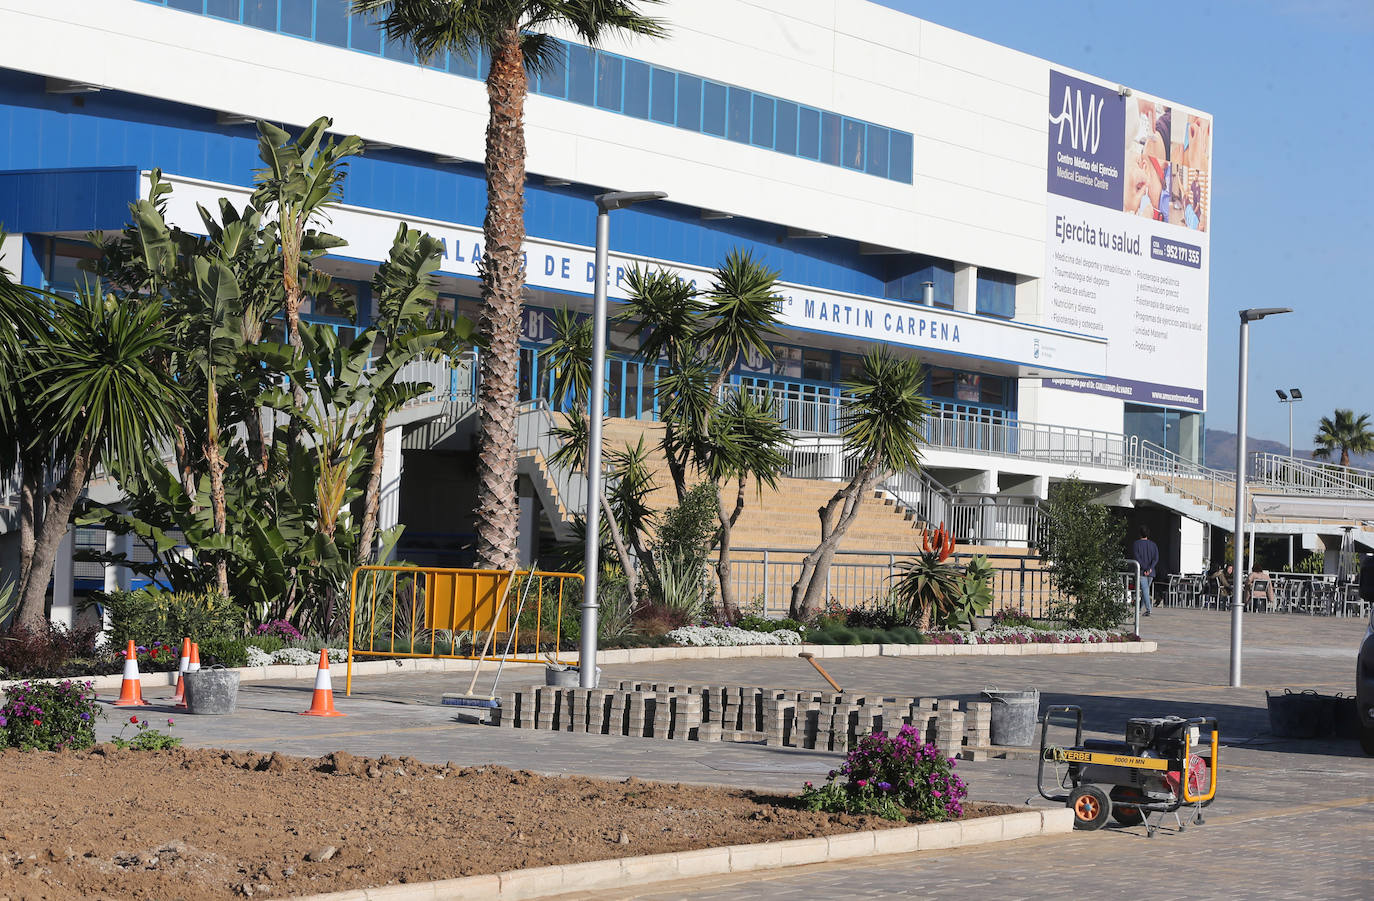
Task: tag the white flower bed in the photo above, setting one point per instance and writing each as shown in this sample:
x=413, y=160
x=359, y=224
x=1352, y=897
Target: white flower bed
x=1024, y=635
x=729, y=636
x=292, y=656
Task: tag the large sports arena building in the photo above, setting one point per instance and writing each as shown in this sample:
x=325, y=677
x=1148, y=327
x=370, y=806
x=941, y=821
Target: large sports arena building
x=1038, y=236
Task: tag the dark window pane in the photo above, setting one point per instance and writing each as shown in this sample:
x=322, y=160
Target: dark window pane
x=198, y=6
x=941, y=382
x=713, y=108
x=398, y=50
x=636, y=89
x=295, y=17
x=581, y=75
x=664, y=85
x=830, y=139
x=996, y=294
x=992, y=390
x=608, y=75
x=785, y=136
x=225, y=9
x=331, y=22
x=763, y=121
x=876, y=160
x=809, y=133
x=260, y=14
x=366, y=35
x=853, y=145
x=899, y=160
x=689, y=102
x=553, y=81
x=739, y=116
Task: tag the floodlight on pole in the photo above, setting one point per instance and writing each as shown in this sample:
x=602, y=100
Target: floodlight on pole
x=614, y=200
x=1289, y=398
x=1239, y=583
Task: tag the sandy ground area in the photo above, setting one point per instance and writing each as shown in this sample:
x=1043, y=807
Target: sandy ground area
x=200, y=824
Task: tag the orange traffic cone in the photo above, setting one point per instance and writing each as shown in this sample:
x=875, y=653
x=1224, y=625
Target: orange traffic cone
x=322, y=704
x=183, y=663
x=131, y=689
x=192, y=665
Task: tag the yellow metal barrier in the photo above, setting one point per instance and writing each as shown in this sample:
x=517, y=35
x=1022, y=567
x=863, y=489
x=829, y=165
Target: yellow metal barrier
x=435, y=613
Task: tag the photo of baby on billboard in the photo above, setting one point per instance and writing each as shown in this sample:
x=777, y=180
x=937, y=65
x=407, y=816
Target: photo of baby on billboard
x=1167, y=174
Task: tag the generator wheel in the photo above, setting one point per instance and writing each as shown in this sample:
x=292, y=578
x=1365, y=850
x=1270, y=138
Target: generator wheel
x=1091, y=807
x=1123, y=811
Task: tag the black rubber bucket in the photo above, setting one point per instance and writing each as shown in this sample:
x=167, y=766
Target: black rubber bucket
x=1304, y=714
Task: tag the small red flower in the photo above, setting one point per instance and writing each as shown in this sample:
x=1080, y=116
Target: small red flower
x=133, y=719
x=38, y=722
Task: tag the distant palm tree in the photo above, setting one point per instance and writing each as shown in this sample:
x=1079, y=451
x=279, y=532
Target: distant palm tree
x=1346, y=433
x=514, y=34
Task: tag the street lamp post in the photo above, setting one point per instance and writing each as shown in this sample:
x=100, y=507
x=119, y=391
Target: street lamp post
x=1240, y=582
x=1288, y=399
x=615, y=200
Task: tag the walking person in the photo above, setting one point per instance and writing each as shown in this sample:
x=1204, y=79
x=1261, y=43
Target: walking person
x=1146, y=553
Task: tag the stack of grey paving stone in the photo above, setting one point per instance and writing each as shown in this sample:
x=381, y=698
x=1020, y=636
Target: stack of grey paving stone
x=825, y=721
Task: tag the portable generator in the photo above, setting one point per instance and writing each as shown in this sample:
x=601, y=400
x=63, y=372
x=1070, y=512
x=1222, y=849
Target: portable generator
x=1164, y=764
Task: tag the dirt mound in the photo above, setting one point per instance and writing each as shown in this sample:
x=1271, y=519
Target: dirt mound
x=197, y=824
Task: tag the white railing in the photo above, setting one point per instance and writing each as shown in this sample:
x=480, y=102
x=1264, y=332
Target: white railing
x=974, y=518
x=954, y=427
x=1209, y=487
x=1294, y=476
x=534, y=434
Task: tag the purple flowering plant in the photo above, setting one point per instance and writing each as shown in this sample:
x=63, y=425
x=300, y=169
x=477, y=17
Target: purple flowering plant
x=49, y=716
x=897, y=778
x=279, y=628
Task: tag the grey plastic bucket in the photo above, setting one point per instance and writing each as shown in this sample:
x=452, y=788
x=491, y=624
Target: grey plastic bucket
x=1014, y=714
x=567, y=678
x=212, y=691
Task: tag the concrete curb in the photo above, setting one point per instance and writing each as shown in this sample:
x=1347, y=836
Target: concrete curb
x=540, y=882
x=648, y=655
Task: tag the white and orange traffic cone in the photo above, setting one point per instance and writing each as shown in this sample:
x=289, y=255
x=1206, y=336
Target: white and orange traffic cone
x=192, y=666
x=131, y=689
x=322, y=704
x=183, y=664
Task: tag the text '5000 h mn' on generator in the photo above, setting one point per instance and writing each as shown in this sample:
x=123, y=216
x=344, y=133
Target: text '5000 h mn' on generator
x=1164, y=764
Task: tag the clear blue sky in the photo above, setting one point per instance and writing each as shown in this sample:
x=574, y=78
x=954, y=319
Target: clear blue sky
x=1288, y=82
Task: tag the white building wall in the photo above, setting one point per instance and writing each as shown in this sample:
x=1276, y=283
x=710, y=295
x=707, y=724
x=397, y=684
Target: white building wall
x=1039, y=403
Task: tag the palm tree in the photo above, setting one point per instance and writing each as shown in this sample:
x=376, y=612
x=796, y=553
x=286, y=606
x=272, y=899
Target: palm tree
x=1347, y=433
x=882, y=427
x=741, y=313
x=514, y=34
x=99, y=397
x=744, y=440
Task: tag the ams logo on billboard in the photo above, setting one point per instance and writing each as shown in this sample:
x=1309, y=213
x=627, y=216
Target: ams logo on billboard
x=1080, y=113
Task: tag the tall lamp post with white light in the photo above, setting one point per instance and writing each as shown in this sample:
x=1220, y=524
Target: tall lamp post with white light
x=1288, y=399
x=615, y=200
x=1241, y=580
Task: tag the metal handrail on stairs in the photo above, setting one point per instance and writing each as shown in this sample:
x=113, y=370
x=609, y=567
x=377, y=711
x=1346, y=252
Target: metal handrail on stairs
x=1294, y=476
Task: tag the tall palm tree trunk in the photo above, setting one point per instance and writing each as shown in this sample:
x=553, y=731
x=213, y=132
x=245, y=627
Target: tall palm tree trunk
x=56, y=517
x=30, y=511
x=728, y=602
x=502, y=286
x=839, y=513
x=372, y=497
x=214, y=459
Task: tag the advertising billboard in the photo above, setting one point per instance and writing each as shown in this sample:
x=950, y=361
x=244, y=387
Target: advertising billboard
x=1128, y=213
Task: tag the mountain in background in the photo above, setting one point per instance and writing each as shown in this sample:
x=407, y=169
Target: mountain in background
x=1221, y=451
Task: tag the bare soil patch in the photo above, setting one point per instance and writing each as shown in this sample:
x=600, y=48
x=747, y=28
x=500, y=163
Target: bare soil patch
x=202, y=824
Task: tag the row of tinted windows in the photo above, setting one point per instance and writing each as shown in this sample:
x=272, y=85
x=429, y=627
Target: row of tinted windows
x=615, y=83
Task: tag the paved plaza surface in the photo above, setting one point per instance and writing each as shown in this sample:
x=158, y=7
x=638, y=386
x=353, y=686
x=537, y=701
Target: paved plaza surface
x=1293, y=819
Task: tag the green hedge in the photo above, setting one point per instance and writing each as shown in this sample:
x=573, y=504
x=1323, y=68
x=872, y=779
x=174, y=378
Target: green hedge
x=149, y=615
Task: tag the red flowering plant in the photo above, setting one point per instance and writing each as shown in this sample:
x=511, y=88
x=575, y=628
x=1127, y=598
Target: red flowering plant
x=145, y=738
x=47, y=716
x=154, y=657
x=897, y=778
